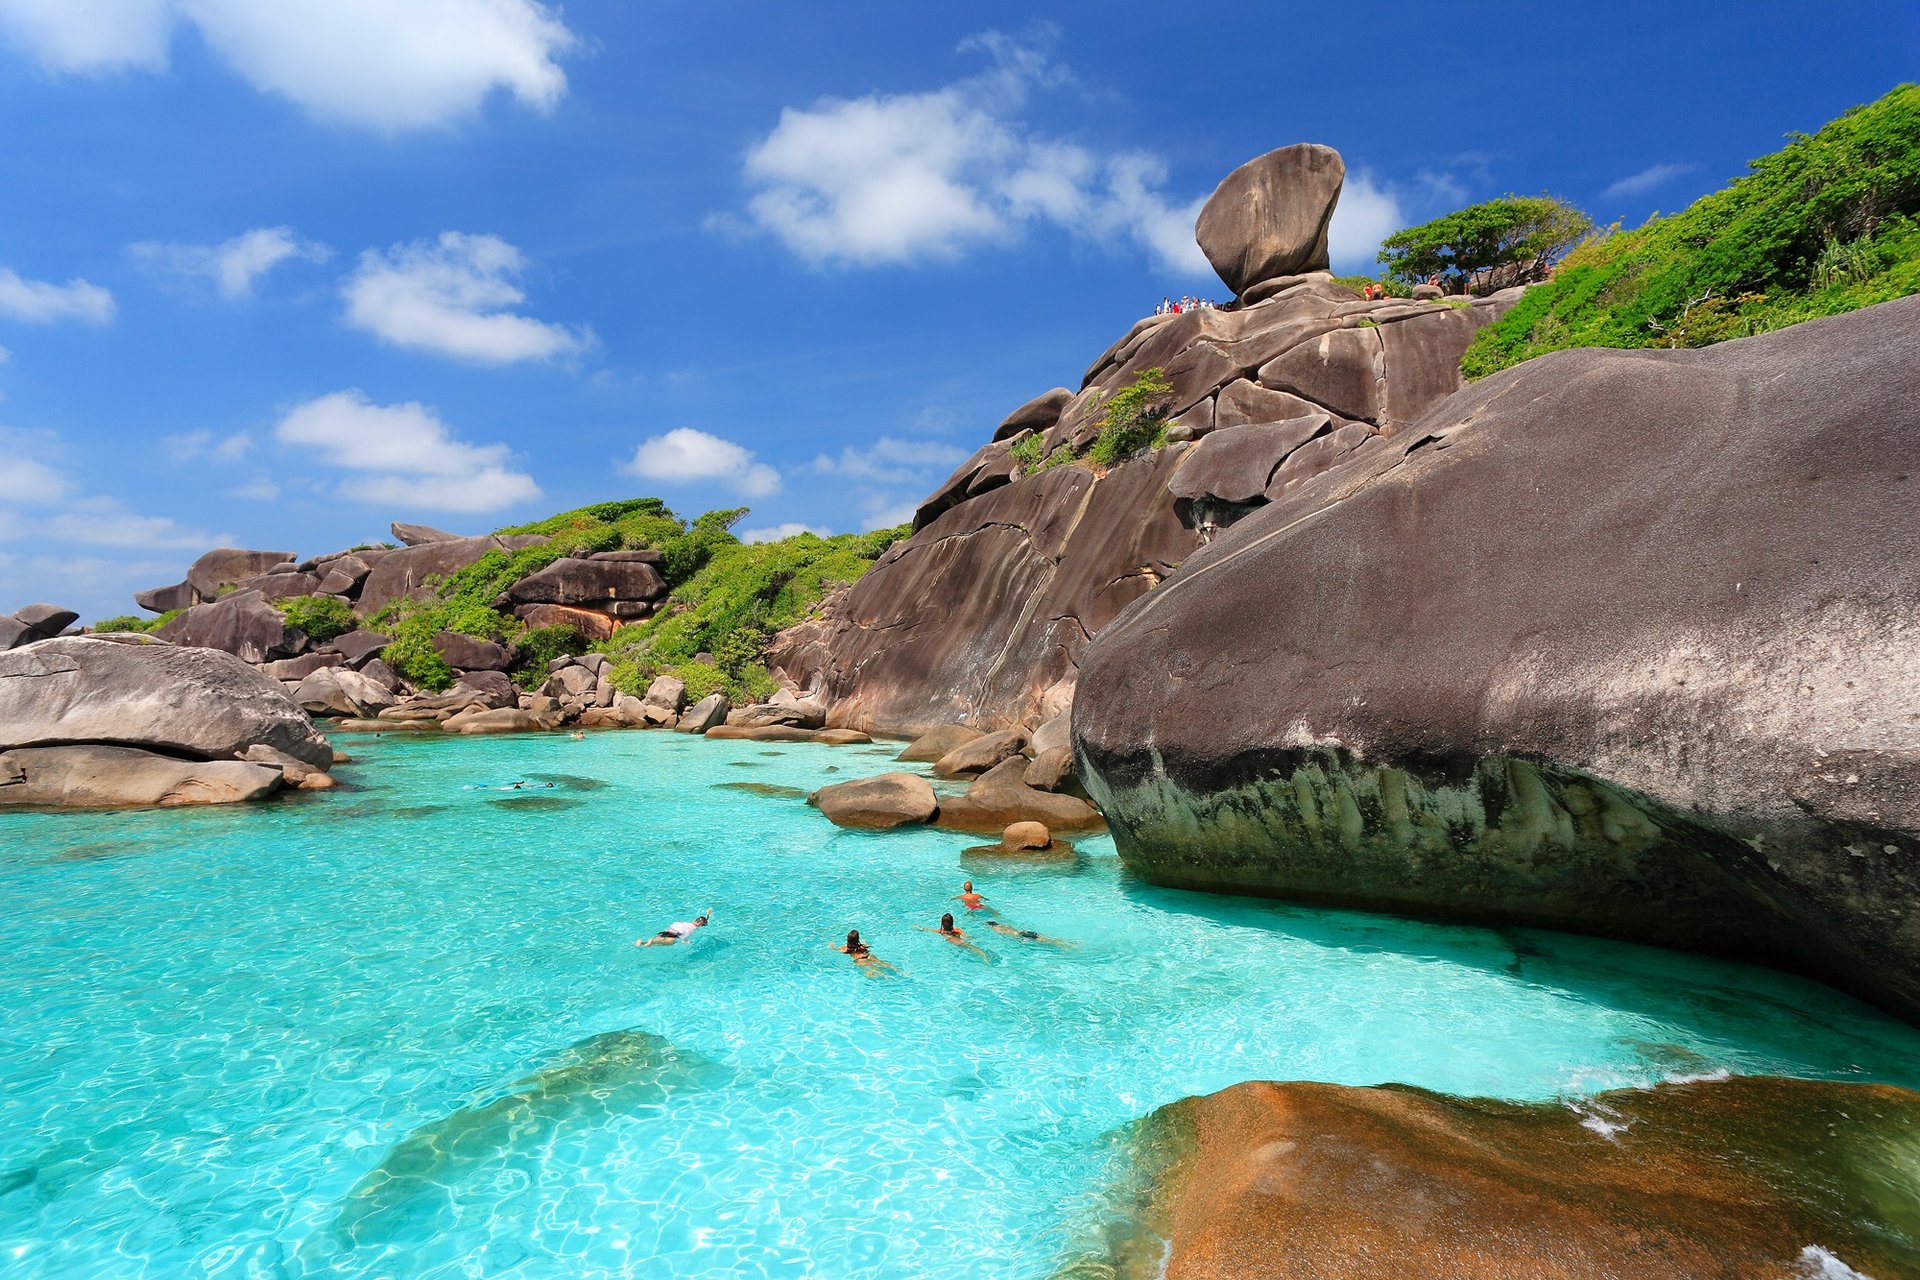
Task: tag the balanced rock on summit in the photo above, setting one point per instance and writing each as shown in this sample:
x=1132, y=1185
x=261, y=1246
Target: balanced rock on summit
x=1269, y=217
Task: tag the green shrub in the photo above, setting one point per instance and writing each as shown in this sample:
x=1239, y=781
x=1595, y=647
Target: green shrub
x=1128, y=417
x=129, y=622
x=539, y=646
x=703, y=679
x=1825, y=225
x=1026, y=452
x=412, y=656
x=321, y=617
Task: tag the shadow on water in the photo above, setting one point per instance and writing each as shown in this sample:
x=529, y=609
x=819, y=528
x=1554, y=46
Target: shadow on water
x=569, y=781
x=744, y=764
x=541, y=803
x=416, y=1190
x=1695, y=997
x=772, y=790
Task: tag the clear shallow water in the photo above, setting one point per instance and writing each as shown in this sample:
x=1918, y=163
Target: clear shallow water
x=401, y=1030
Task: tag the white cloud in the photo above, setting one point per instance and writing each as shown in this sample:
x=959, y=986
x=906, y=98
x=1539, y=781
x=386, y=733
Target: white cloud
x=27, y=480
x=189, y=445
x=791, y=529
x=684, y=455
x=258, y=489
x=878, y=517
x=1368, y=213
x=901, y=178
x=89, y=35
x=380, y=64
x=235, y=265
x=450, y=296
x=404, y=454
x=38, y=302
x=890, y=460
x=1638, y=184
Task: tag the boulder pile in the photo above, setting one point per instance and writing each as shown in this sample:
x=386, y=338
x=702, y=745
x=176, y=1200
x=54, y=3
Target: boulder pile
x=33, y=623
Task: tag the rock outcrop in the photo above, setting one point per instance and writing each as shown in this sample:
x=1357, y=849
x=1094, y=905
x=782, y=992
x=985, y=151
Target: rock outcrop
x=1008, y=575
x=1616, y=641
x=879, y=803
x=135, y=721
x=34, y=623
x=1752, y=1176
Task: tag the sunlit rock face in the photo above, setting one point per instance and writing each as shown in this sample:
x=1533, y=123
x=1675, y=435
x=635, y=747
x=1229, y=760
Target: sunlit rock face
x=1751, y=1177
x=1618, y=641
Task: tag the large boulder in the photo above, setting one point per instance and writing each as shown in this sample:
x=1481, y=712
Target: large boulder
x=338, y=691
x=1269, y=217
x=591, y=623
x=980, y=754
x=1233, y=464
x=1750, y=1177
x=471, y=653
x=419, y=535
x=1036, y=414
x=196, y=704
x=879, y=803
x=225, y=566
x=165, y=599
x=937, y=742
x=243, y=624
x=705, y=714
x=34, y=623
x=1607, y=642
x=579, y=581
x=668, y=692
x=1001, y=797
x=94, y=776
x=408, y=571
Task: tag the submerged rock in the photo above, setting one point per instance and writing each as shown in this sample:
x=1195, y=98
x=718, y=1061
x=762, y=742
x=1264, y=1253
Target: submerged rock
x=1749, y=1177
x=1583, y=649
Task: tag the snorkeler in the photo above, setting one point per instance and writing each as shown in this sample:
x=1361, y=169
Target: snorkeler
x=973, y=901
x=1026, y=935
x=678, y=931
x=953, y=933
x=863, y=955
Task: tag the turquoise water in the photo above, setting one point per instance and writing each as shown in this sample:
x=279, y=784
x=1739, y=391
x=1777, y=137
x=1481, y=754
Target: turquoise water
x=401, y=1029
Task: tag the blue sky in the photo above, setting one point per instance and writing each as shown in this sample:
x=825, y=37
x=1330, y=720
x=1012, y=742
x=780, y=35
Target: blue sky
x=273, y=275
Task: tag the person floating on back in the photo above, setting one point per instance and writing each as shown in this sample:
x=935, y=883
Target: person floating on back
x=953, y=933
x=678, y=931
x=863, y=955
x=973, y=901
x=1026, y=935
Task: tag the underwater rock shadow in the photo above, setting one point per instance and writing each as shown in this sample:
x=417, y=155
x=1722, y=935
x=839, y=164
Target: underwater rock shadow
x=405, y=1199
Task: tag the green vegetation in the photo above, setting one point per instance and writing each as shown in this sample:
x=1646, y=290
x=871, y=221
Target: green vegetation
x=1515, y=236
x=128, y=622
x=321, y=617
x=1026, y=452
x=1384, y=283
x=733, y=605
x=1829, y=224
x=726, y=599
x=1130, y=418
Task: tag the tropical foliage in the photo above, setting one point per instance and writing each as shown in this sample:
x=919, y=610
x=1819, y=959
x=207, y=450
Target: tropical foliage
x=1828, y=224
x=1514, y=239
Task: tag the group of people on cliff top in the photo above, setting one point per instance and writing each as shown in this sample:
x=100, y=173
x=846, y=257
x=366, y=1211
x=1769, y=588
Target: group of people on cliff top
x=856, y=949
x=1169, y=307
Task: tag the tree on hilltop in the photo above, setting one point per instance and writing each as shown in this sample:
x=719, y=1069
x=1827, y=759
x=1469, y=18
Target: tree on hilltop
x=1512, y=240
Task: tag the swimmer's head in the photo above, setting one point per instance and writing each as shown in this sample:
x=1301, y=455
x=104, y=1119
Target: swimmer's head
x=967, y=887
x=946, y=922
x=853, y=939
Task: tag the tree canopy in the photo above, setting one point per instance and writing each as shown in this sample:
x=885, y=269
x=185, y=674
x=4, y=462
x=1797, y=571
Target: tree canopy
x=1469, y=248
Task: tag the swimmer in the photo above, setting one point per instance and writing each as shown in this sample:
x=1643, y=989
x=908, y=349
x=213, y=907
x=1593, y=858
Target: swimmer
x=863, y=955
x=578, y=735
x=973, y=901
x=954, y=934
x=1025, y=935
x=678, y=931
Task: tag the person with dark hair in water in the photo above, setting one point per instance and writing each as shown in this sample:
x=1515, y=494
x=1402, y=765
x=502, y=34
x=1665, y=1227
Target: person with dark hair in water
x=862, y=955
x=953, y=933
x=1025, y=935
